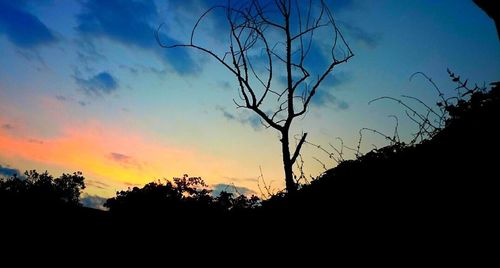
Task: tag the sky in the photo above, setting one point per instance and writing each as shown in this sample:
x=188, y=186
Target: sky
x=84, y=86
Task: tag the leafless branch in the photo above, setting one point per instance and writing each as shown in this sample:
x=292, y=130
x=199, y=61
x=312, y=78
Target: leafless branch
x=297, y=149
x=251, y=28
x=321, y=163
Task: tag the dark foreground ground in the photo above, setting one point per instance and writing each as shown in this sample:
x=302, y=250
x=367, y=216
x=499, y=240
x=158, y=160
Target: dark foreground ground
x=437, y=196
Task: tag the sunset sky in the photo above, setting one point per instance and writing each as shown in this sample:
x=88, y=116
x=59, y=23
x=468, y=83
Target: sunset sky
x=84, y=86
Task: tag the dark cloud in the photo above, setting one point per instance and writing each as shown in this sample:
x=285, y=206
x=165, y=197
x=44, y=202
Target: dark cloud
x=332, y=82
x=21, y=27
x=88, y=54
x=224, y=85
x=35, y=141
x=129, y=184
x=7, y=126
x=132, y=70
x=97, y=184
x=93, y=201
x=61, y=98
x=253, y=120
x=132, y=23
x=148, y=69
x=338, y=78
x=359, y=35
x=120, y=157
x=246, y=118
x=236, y=179
x=317, y=62
x=124, y=160
x=72, y=100
x=32, y=56
x=7, y=171
x=230, y=188
x=325, y=97
x=324, y=94
x=100, y=84
x=124, y=21
x=83, y=103
x=341, y=5
x=178, y=58
x=225, y=113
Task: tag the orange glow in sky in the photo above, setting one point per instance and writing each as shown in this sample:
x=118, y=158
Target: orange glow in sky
x=115, y=157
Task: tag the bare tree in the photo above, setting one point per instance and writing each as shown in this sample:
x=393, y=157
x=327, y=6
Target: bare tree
x=277, y=36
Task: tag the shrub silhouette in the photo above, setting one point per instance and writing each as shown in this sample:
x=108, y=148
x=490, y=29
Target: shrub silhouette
x=182, y=199
x=37, y=203
x=35, y=189
x=442, y=186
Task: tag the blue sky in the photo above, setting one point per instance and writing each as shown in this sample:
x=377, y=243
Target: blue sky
x=85, y=86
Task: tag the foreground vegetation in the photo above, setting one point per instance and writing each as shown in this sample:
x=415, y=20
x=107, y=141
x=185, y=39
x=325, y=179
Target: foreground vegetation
x=441, y=184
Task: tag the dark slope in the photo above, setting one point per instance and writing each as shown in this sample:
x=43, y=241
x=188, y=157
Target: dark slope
x=440, y=189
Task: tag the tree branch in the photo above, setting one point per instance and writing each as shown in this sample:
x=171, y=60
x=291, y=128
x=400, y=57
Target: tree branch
x=297, y=149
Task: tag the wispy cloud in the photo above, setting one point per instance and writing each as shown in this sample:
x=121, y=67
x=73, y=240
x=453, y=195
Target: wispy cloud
x=124, y=160
x=224, y=85
x=324, y=98
x=37, y=141
x=98, y=85
x=120, y=157
x=132, y=23
x=7, y=126
x=96, y=184
x=132, y=70
x=62, y=98
x=341, y=5
x=324, y=95
x=361, y=36
x=87, y=54
x=21, y=27
x=236, y=179
x=248, y=118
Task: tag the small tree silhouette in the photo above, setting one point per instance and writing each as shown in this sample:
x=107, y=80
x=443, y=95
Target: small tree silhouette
x=278, y=36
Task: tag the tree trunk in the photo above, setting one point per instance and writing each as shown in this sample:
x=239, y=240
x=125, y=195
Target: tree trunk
x=291, y=187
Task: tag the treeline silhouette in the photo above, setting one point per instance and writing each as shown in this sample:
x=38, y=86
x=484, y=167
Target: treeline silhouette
x=41, y=189
x=442, y=186
x=183, y=200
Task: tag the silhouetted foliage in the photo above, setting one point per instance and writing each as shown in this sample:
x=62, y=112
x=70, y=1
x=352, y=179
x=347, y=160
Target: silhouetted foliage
x=441, y=186
x=41, y=188
x=39, y=204
x=184, y=197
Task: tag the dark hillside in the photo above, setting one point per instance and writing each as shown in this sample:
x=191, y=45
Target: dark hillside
x=444, y=186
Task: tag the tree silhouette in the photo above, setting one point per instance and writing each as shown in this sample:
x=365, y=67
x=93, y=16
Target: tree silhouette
x=182, y=197
x=273, y=40
x=42, y=189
